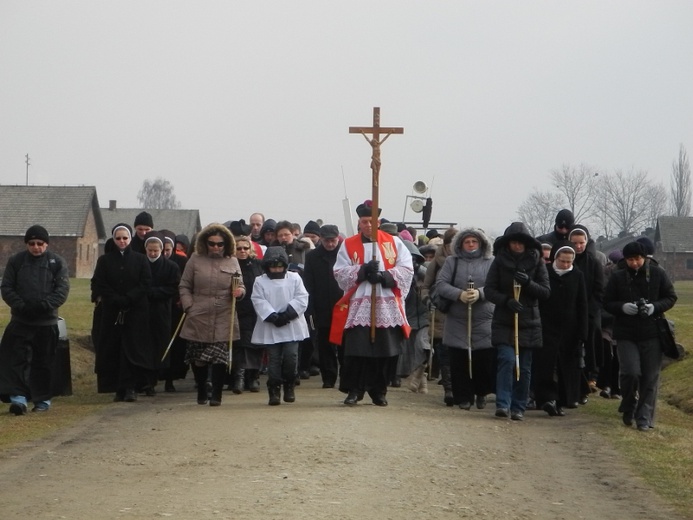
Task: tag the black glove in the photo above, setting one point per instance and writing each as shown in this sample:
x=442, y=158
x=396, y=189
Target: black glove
x=514, y=305
x=272, y=318
x=522, y=278
x=363, y=272
x=372, y=266
x=281, y=320
x=289, y=313
x=376, y=277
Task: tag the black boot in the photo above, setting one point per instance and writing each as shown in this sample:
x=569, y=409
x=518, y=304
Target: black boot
x=200, y=374
x=238, y=380
x=252, y=378
x=274, y=395
x=447, y=385
x=218, y=376
x=289, y=395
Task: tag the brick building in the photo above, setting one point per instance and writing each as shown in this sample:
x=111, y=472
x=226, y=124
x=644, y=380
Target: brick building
x=70, y=214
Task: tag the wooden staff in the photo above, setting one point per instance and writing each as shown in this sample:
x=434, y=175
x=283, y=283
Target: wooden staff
x=375, y=143
x=516, y=292
x=235, y=282
x=470, y=287
x=432, y=333
x=173, y=338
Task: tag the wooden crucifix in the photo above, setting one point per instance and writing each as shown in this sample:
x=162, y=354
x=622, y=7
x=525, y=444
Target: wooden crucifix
x=376, y=130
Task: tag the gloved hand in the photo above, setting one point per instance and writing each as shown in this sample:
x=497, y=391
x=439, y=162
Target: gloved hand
x=472, y=295
x=522, y=278
x=272, y=318
x=281, y=320
x=650, y=308
x=514, y=305
x=363, y=272
x=376, y=277
x=630, y=309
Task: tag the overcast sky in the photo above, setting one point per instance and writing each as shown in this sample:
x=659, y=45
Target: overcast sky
x=245, y=106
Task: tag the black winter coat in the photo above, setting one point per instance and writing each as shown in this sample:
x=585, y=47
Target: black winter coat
x=321, y=285
x=251, y=268
x=651, y=283
x=564, y=314
x=121, y=282
x=498, y=289
x=164, y=288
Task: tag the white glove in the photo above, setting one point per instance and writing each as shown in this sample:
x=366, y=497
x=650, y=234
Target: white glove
x=469, y=296
x=650, y=308
x=630, y=309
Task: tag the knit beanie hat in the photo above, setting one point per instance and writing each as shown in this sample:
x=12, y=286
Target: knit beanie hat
x=312, y=227
x=633, y=249
x=565, y=218
x=144, y=219
x=647, y=245
x=36, y=232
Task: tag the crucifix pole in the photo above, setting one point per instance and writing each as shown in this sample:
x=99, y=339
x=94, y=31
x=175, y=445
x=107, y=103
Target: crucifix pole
x=376, y=130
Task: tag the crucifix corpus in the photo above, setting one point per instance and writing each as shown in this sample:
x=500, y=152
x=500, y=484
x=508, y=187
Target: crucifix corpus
x=376, y=130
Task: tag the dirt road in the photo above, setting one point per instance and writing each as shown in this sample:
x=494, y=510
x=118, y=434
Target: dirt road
x=166, y=456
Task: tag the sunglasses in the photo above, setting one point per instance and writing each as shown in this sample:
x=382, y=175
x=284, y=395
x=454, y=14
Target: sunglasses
x=240, y=248
x=210, y=243
x=34, y=243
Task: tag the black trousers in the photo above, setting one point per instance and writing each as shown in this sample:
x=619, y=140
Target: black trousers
x=328, y=356
x=483, y=377
x=27, y=355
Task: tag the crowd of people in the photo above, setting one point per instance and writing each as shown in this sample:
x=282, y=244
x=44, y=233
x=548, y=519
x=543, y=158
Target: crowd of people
x=541, y=322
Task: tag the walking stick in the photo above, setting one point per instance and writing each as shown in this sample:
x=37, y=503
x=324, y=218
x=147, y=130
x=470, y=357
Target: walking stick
x=432, y=333
x=235, y=282
x=516, y=293
x=470, y=286
x=173, y=338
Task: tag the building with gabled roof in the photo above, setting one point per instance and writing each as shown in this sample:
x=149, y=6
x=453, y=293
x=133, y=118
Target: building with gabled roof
x=674, y=246
x=180, y=221
x=70, y=214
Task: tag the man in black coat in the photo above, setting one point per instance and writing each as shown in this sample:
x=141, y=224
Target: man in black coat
x=565, y=220
x=324, y=292
x=35, y=284
x=637, y=296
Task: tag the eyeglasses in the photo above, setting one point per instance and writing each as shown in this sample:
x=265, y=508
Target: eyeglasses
x=121, y=238
x=34, y=243
x=210, y=243
x=242, y=249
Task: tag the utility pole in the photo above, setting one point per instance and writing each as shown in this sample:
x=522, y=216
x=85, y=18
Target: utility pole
x=27, y=168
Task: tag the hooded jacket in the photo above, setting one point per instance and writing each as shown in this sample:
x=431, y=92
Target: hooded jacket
x=205, y=290
x=468, y=268
x=499, y=288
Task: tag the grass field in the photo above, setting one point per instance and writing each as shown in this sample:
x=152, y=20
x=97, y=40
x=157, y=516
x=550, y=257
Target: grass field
x=663, y=458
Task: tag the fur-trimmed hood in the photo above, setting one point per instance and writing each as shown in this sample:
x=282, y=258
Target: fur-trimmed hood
x=215, y=229
x=484, y=242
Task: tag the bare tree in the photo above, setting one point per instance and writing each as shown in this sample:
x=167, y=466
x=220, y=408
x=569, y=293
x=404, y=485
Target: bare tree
x=625, y=200
x=157, y=194
x=657, y=202
x=680, y=187
x=578, y=186
x=539, y=210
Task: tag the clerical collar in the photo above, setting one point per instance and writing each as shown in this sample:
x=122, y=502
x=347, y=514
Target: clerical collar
x=365, y=239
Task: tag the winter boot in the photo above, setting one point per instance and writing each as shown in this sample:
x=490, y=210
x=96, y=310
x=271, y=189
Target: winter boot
x=423, y=382
x=416, y=376
x=238, y=380
x=218, y=376
x=274, y=395
x=252, y=380
x=447, y=385
x=200, y=373
x=289, y=395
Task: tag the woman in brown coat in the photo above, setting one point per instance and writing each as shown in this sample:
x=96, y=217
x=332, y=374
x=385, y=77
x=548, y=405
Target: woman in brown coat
x=205, y=294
